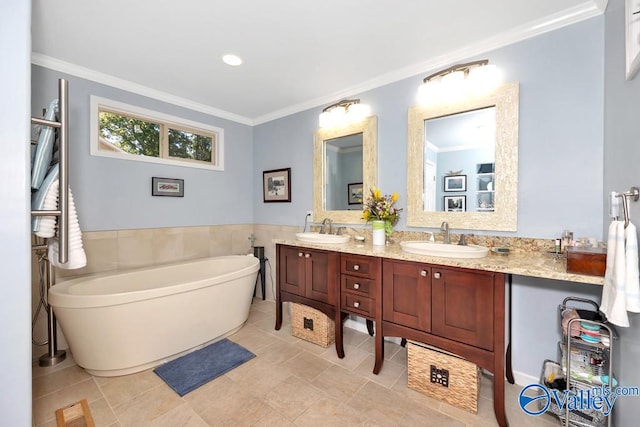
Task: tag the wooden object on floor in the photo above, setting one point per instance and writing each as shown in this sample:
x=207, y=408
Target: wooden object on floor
x=75, y=415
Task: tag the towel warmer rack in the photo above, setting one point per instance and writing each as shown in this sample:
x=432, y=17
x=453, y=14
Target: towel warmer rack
x=53, y=355
x=633, y=194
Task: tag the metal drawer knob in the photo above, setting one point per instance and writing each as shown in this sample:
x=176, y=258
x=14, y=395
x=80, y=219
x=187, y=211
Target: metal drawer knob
x=356, y=304
x=436, y=275
x=356, y=286
x=423, y=273
x=356, y=267
x=307, y=255
x=299, y=253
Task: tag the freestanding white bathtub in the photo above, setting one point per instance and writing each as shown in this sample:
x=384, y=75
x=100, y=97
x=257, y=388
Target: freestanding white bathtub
x=126, y=322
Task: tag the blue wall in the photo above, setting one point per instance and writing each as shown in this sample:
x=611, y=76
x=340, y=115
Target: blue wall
x=561, y=76
x=112, y=194
x=561, y=131
x=621, y=157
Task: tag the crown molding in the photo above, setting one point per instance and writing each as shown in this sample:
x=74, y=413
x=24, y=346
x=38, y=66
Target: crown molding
x=567, y=17
x=586, y=10
x=106, y=79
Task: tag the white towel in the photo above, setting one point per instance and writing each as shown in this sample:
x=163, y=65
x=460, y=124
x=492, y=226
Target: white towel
x=621, y=290
x=76, y=255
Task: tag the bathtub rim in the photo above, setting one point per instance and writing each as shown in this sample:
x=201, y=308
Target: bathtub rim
x=59, y=295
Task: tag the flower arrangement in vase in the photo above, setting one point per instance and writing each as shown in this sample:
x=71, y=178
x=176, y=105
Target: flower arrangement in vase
x=379, y=207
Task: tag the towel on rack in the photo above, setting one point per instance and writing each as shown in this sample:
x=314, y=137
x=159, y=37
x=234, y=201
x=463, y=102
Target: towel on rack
x=621, y=290
x=76, y=255
x=44, y=148
x=46, y=198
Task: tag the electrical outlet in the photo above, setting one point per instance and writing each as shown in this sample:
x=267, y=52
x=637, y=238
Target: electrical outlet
x=310, y=214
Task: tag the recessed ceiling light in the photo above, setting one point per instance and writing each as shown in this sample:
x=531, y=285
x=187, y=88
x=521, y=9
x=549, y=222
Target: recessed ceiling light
x=232, y=60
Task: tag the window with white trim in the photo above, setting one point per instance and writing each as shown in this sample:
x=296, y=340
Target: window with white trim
x=126, y=131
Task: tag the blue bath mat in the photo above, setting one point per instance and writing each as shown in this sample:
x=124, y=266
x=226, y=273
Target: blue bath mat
x=192, y=370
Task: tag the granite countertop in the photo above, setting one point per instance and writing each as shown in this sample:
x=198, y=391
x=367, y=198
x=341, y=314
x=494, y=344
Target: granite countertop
x=533, y=263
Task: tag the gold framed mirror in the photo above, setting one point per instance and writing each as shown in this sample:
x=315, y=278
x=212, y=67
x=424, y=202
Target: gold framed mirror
x=333, y=198
x=490, y=200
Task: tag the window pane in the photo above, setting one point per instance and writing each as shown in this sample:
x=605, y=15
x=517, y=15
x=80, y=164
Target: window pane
x=128, y=134
x=188, y=145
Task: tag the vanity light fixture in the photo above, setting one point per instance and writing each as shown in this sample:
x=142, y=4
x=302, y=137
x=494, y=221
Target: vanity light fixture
x=343, y=112
x=454, y=82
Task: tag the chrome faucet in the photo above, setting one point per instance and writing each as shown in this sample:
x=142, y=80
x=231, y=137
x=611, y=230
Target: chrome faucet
x=444, y=227
x=463, y=239
x=324, y=223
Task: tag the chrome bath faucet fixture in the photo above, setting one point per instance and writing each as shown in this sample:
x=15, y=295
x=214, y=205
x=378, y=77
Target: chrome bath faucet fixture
x=324, y=223
x=444, y=227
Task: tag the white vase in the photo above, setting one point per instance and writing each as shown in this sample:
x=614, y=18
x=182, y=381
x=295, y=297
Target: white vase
x=379, y=236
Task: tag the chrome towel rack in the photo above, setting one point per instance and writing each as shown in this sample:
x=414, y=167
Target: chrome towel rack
x=53, y=355
x=634, y=195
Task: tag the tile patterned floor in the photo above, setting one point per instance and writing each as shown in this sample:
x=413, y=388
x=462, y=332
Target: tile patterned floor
x=290, y=383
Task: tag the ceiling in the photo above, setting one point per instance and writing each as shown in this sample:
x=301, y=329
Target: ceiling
x=297, y=54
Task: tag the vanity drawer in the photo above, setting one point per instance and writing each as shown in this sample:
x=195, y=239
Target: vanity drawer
x=362, y=266
x=358, y=305
x=358, y=285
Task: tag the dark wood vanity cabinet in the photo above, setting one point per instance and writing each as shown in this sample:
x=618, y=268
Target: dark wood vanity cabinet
x=407, y=294
x=308, y=273
x=310, y=277
x=462, y=306
x=360, y=279
x=456, y=309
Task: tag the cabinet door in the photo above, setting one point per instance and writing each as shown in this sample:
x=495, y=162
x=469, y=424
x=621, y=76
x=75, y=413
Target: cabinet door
x=463, y=307
x=321, y=275
x=406, y=289
x=292, y=270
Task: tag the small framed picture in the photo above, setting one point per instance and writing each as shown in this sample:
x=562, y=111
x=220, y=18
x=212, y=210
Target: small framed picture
x=455, y=183
x=455, y=203
x=167, y=187
x=276, y=185
x=632, y=30
x=354, y=193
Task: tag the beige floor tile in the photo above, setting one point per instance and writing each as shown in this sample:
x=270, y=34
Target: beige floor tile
x=306, y=365
x=181, y=416
x=57, y=380
x=387, y=376
x=353, y=356
x=338, y=382
x=330, y=412
x=273, y=419
x=101, y=413
x=313, y=347
x=44, y=407
x=292, y=397
x=278, y=351
x=147, y=406
x=388, y=407
x=119, y=390
x=237, y=407
x=390, y=348
x=258, y=377
x=256, y=316
x=265, y=306
x=253, y=339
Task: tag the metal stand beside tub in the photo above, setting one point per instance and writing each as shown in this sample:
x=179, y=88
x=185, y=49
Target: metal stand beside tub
x=126, y=322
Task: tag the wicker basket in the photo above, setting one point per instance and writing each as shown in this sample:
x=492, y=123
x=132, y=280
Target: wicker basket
x=312, y=325
x=443, y=376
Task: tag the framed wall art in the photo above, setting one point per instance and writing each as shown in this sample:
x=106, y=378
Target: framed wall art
x=167, y=187
x=455, y=203
x=632, y=30
x=276, y=185
x=354, y=193
x=455, y=183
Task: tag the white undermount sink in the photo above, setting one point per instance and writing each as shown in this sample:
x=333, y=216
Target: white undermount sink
x=444, y=250
x=312, y=237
